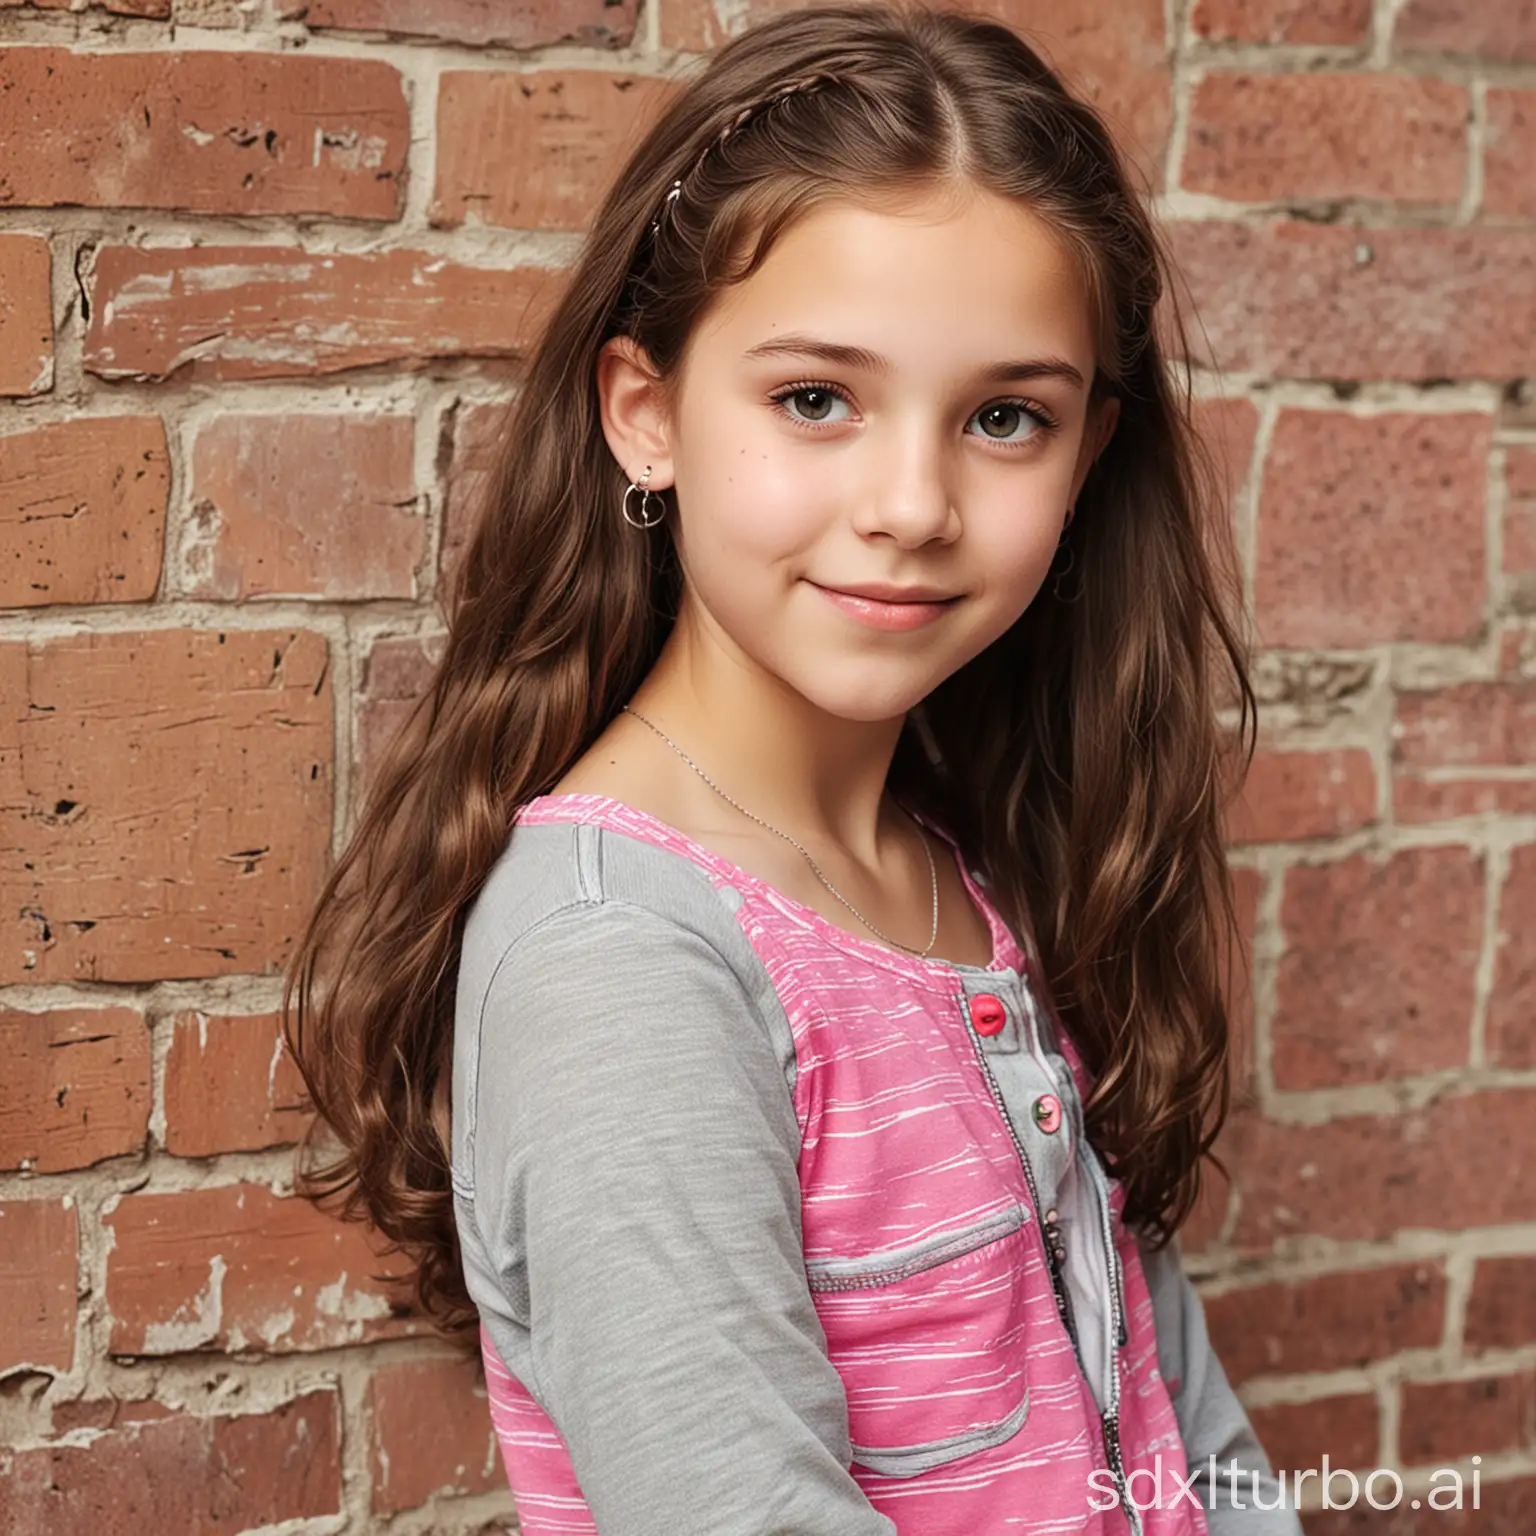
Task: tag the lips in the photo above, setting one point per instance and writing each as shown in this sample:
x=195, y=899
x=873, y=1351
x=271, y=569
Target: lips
x=877, y=613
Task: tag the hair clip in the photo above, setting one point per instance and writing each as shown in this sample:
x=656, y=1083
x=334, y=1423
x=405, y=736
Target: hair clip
x=666, y=203
x=753, y=109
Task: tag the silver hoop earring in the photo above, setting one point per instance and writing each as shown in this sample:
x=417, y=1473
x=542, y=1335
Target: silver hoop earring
x=646, y=497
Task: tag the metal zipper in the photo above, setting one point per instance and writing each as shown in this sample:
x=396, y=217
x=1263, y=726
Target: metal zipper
x=1110, y=1416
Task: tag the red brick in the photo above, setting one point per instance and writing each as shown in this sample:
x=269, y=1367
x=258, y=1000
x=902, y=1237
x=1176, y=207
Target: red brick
x=171, y=802
x=82, y=506
x=205, y=132
x=1417, y=799
x=1279, y=138
x=40, y=1241
x=1371, y=528
x=238, y=1268
x=451, y=1449
x=216, y=1475
x=1501, y=1311
x=1228, y=426
x=26, y=315
x=75, y=1088
x=1345, y=1429
x=304, y=506
x=1520, y=514
x=398, y=672
x=255, y=312
x=1484, y=1508
x=1247, y=891
x=1503, y=30
x=1512, y=1002
x=1442, y=1420
x=1509, y=150
x=1378, y=977
x=1359, y=1178
x=1302, y=300
x=1282, y=21
x=231, y=1085
x=1114, y=53
x=1467, y=725
x=537, y=149
x=596, y=23
x=1291, y=795
x=1327, y=1322
x=468, y=455
x=154, y=10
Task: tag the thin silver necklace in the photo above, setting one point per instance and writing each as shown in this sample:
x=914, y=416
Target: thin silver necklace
x=933, y=874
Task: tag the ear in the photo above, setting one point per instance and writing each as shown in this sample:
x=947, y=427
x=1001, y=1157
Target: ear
x=635, y=419
x=1101, y=427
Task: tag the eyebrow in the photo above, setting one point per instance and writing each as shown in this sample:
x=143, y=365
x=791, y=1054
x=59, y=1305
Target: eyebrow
x=797, y=344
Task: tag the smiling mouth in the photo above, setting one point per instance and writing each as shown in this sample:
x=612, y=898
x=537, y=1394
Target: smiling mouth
x=880, y=613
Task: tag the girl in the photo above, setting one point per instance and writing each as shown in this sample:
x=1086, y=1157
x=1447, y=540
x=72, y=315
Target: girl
x=773, y=990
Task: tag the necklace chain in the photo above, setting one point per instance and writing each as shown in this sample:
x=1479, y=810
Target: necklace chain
x=933, y=874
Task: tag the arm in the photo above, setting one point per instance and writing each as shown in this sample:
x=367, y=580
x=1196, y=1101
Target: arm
x=1211, y=1419
x=636, y=1154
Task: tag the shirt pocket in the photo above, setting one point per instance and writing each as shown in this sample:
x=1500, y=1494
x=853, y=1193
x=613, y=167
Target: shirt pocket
x=930, y=1341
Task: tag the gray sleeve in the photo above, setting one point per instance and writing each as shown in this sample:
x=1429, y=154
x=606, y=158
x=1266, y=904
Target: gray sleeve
x=1212, y=1421
x=635, y=1160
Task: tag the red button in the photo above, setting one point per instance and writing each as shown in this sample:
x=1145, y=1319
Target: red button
x=988, y=1014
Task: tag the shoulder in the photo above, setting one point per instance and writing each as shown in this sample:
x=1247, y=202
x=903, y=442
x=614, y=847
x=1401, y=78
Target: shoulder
x=596, y=894
x=618, y=937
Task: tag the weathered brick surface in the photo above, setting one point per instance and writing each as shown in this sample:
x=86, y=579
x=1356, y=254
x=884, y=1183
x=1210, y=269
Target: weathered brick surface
x=1363, y=1177
x=1299, y=794
x=254, y=312
x=1337, y=22
x=26, y=315
x=75, y=1088
x=1512, y=1003
x=304, y=506
x=1294, y=300
x=599, y=23
x=417, y=1454
x=231, y=1085
x=82, y=511
x=109, y=878
x=218, y=1474
x=1465, y=750
x=1509, y=189
x=1345, y=1429
x=1501, y=1310
x=204, y=132
x=471, y=435
x=536, y=150
x=268, y=282
x=1272, y=138
x=1371, y=528
x=1328, y=1323
x=39, y=1239
x=237, y=1267
x=1497, y=30
x=1444, y=1420
x=397, y=674
x=1378, y=978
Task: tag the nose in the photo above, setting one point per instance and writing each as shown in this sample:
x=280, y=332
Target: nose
x=909, y=490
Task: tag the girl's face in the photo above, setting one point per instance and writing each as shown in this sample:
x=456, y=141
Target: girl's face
x=894, y=399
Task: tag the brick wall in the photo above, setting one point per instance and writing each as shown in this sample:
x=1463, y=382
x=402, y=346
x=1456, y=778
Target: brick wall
x=267, y=270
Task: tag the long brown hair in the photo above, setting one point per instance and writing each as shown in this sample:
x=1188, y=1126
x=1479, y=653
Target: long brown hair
x=1080, y=759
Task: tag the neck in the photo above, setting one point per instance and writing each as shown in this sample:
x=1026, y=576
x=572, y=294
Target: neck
x=818, y=776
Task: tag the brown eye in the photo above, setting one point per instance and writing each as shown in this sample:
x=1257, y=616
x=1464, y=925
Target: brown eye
x=815, y=404
x=999, y=420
